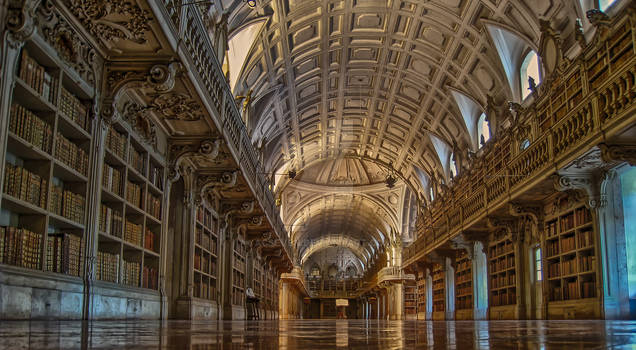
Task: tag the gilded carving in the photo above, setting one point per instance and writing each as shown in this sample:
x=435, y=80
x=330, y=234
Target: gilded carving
x=21, y=18
x=138, y=118
x=105, y=19
x=177, y=106
x=620, y=153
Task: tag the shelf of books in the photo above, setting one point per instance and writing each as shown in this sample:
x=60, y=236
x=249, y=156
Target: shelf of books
x=503, y=276
x=270, y=292
x=463, y=287
x=238, y=273
x=421, y=295
x=570, y=260
x=439, y=292
x=205, y=254
x=45, y=183
x=410, y=301
x=257, y=278
x=130, y=219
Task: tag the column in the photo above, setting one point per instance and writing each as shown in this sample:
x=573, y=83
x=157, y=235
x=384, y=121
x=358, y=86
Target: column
x=449, y=288
x=480, y=282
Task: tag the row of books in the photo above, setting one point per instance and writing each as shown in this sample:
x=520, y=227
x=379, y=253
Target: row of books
x=150, y=278
x=465, y=276
x=131, y=273
x=586, y=239
x=25, y=185
x=504, y=297
x=554, y=270
x=132, y=233
x=107, y=268
x=149, y=240
x=569, y=266
x=502, y=264
x=204, y=263
x=137, y=160
x=503, y=281
x=67, y=204
x=551, y=248
x=439, y=306
x=238, y=296
x=153, y=205
x=464, y=266
x=239, y=264
x=133, y=194
x=74, y=109
x=587, y=263
x=31, y=128
x=500, y=249
x=238, y=279
x=112, y=179
x=239, y=248
x=64, y=254
x=464, y=290
x=20, y=247
x=116, y=142
x=566, y=223
x=568, y=244
x=204, y=240
x=71, y=154
x=571, y=290
x=204, y=290
x=464, y=303
x=110, y=221
x=582, y=216
x=37, y=77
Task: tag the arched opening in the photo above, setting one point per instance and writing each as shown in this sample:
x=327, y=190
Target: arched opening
x=529, y=74
x=483, y=127
x=525, y=144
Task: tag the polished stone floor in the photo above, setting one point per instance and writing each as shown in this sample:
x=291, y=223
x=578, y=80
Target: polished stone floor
x=319, y=334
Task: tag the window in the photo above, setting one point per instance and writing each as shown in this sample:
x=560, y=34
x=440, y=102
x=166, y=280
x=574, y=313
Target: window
x=529, y=70
x=525, y=144
x=431, y=193
x=453, y=166
x=537, y=264
x=603, y=5
x=483, y=128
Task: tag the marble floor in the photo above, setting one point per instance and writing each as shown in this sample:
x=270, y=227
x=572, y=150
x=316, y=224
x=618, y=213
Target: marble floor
x=319, y=334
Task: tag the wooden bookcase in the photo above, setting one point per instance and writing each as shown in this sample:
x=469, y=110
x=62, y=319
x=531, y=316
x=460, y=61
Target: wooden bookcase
x=410, y=301
x=257, y=278
x=43, y=213
x=130, y=222
x=502, y=274
x=238, y=272
x=439, y=292
x=463, y=286
x=421, y=295
x=570, y=263
x=205, y=254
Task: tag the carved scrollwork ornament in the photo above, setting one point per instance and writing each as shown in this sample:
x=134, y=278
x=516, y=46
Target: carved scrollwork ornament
x=21, y=20
x=138, y=118
x=618, y=153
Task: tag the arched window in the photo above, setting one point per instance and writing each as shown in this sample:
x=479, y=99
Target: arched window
x=525, y=144
x=453, y=166
x=431, y=193
x=529, y=70
x=483, y=128
x=315, y=271
x=603, y=5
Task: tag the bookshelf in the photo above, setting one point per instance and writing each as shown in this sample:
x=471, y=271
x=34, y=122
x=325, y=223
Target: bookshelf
x=570, y=256
x=257, y=277
x=464, y=284
x=238, y=272
x=45, y=182
x=439, y=292
x=205, y=254
x=421, y=295
x=410, y=301
x=502, y=271
x=130, y=221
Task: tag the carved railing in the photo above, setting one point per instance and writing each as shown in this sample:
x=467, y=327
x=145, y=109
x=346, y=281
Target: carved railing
x=583, y=105
x=333, y=287
x=193, y=44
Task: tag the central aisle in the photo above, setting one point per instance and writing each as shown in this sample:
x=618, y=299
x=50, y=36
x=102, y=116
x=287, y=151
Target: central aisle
x=319, y=334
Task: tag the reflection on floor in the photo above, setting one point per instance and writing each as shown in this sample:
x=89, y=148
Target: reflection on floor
x=319, y=334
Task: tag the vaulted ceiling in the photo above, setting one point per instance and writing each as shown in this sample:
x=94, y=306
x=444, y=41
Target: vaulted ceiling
x=377, y=81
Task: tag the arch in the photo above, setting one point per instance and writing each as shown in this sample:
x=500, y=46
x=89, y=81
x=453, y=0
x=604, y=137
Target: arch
x=239, y=45
x=453, y=171
x=511, y=46
x=470, y=110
